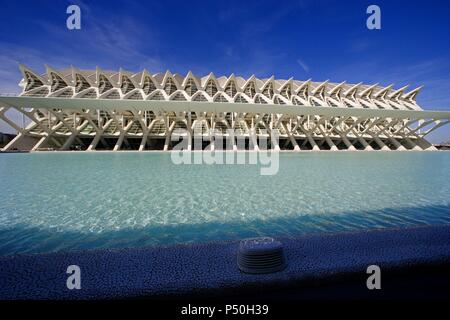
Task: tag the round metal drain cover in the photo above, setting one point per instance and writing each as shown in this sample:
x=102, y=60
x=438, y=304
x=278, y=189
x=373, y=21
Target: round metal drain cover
x=261, y=255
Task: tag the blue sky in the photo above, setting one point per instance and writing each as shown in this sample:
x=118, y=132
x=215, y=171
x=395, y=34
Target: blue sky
x=301, y=39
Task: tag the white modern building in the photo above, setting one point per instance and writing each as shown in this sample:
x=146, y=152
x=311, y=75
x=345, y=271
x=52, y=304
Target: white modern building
x=91, y=110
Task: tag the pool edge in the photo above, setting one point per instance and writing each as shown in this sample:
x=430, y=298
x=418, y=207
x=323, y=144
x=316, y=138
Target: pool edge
x=210, y=268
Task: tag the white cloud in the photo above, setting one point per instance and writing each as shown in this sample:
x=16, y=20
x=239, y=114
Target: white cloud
x=302, y=64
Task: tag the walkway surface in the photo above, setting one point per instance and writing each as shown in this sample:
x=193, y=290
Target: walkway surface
x=199, y=268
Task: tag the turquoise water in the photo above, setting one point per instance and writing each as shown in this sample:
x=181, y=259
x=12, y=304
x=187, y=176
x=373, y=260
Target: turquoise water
x=70, y=201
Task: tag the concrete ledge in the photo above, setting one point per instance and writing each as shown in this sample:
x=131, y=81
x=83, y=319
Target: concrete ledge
x=193, y=269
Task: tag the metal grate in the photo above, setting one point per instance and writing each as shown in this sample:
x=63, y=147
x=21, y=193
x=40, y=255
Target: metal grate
x=261, y=255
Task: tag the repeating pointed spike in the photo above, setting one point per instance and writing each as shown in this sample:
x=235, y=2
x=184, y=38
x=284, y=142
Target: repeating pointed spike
x=321, y=89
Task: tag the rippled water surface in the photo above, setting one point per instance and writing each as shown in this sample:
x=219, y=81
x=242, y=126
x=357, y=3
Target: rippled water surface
x=66, y=201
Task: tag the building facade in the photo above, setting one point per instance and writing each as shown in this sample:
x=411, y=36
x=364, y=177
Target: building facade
x=91, y=110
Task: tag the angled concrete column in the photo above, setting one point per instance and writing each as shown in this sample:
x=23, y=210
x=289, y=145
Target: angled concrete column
x=291, y=138
x=398, y=145
x=366, y=146
x=74, y=136
x=189, y=147
x=413, y=145
x=143, y=141
x=166, y=142
x=331, y=143
x=349, y=145
x=253, y=139
x=56, y=142
x=95, y=141
x=69, y=141
x=13, y=142
x=123, y=132
x=382, y=145
x=40, y=143
x=424, y=144
x=234, y=143
x=327, y=138
x=276, y=146
x=169, y=130
x=119, y=142
x=313, y=143
x=274, y=142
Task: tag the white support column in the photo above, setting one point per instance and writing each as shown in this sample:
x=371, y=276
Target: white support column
x=21, y=132
x=327, y=138
x=74, y=135
x=169, y=130
x=419, y=143
x=233, y=139
x=230, y=140
x=382, y=145
x=143, y=141
x=119, y=141
x=95, y=141
x=397, y=144
x=166, y=142
x=40, y=143
x=141, y=117
x=56, y=142
x=123, y=132
x=308, y=131
x=212, y=140
x=13, y=142
x=413, y=145
x=313, y=143
x=347, y=142
x=366, y=146
x=48, y=135
x=291, y=138
x=424, y=144
x=253, y=139
x=274, y=141
x=330, y=143
x=211, y=131
x=189, y=147
x=356, y=129
x=69, y=141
